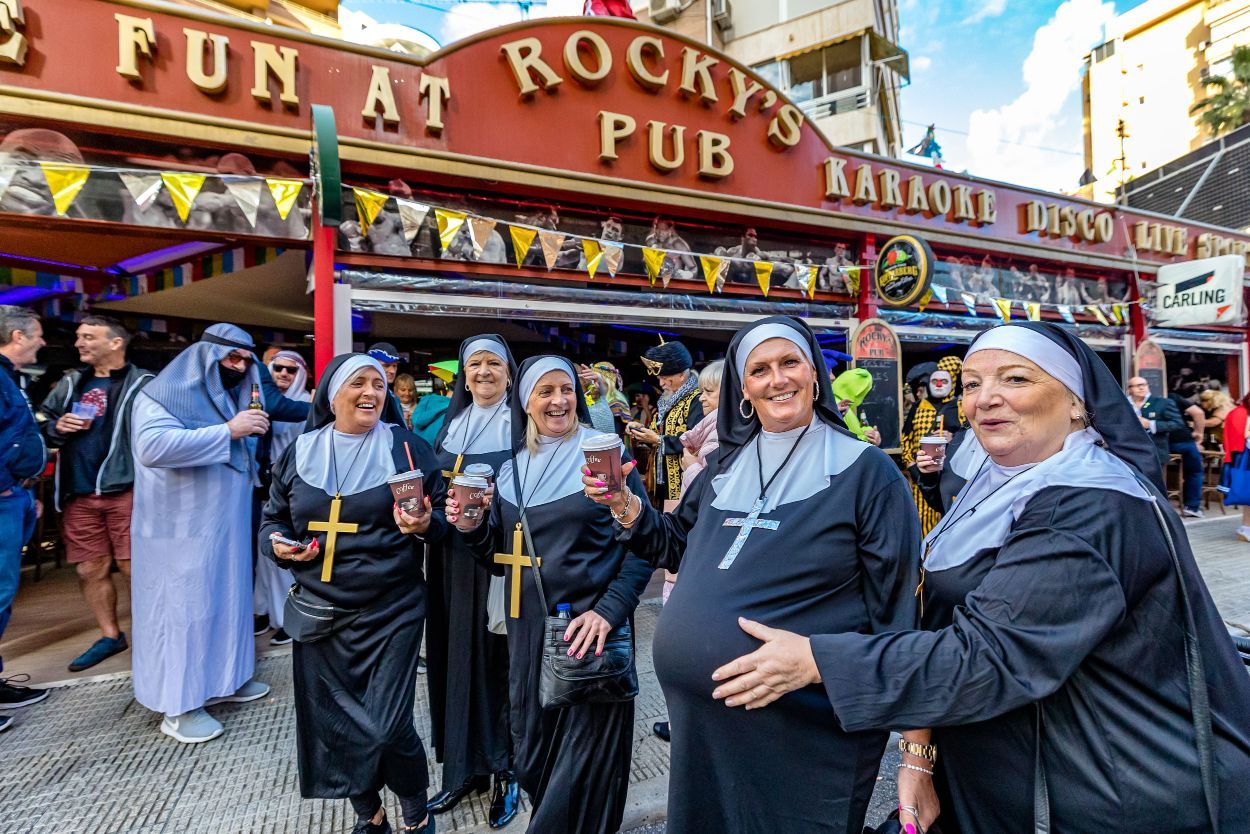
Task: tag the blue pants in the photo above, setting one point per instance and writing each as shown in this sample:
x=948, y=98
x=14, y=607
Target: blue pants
x=1191, y=471
x=17, y=523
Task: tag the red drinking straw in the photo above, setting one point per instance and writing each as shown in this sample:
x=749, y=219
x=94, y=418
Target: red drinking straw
x=411, y=465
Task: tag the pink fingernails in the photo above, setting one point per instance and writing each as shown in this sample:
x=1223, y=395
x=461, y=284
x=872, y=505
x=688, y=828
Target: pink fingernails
x=600, y=483
x=909, y=828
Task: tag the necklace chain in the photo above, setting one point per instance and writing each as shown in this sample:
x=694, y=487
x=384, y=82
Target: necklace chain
x=334, y=463
x=759, y=457
x=485, y=426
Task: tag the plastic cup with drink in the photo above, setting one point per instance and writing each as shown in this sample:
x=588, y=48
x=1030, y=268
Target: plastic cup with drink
x=85, y=412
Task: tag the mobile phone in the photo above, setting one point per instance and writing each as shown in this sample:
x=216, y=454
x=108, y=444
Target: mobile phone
x=281, y=539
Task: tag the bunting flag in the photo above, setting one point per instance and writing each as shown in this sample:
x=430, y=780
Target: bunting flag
x=940, y=292
x=593, y=252
x=143, y=188
x=64, y=181
x=1097, y=313
x=713, y=272
x=928, y=296
x=1033, y=310
x=183, y=188
x=764, y=275
x=807, y=275
x=369, y=204
x=970, y=301
x=522, y=240
x=551, y=243
x=1066, y=313
x=284, y=193
x=246, y=194
x=852, y=280
x=653, y=262
x=1120, y=311
x=411, y=214
x=479, y=232
x=449, y=223
x=1004, y=308
x=613, y=256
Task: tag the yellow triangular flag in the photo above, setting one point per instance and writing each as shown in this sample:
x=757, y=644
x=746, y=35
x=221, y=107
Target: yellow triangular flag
x=1097, y=313
x=1034, y=310
x=183, y=189
x=613, y=256
x=449, y=222
x=65, y=181
x=284, y=194
x=924, y=302
x=764, y=275
x=479, y=231
x=368, y=204
x=1004, y=308
x=852, y=280
x=809, y=275
x=594, y=256
x=712, y=269
x=1117, y=313
x=522, y=240
x=653, y=261
x=551, y=243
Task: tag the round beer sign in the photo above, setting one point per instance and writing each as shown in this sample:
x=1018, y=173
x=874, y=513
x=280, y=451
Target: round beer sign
x=904, y=270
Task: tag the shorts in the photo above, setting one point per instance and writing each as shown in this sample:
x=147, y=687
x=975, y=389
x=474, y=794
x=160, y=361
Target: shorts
x=97, y=526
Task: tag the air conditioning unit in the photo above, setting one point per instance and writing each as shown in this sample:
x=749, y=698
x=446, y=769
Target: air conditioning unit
x=722, y=14
x=662, y=11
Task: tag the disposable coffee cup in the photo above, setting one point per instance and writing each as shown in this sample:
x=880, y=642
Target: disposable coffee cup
x=481, y=470
x=934, y=446
x=84, y=411
x=603, y=458
x=469, y=491
x=408, y=489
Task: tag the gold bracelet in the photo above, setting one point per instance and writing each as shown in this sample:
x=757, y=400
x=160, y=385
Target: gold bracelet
x=928, y=752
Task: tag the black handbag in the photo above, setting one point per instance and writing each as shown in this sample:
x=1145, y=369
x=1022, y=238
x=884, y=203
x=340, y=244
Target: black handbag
x=566, y=681
x=308, y=617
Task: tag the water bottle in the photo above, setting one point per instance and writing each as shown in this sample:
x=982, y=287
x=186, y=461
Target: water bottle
x=564, y=611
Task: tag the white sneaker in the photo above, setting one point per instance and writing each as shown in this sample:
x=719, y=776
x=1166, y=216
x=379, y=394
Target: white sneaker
x=1193, y=513
x=250, y=691
x=192, y=727
x=1243, y=533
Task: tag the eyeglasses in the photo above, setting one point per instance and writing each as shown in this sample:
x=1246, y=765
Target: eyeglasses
x=285, y=369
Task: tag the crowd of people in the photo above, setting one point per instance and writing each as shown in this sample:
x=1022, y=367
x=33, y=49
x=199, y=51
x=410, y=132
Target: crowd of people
x=817, y=597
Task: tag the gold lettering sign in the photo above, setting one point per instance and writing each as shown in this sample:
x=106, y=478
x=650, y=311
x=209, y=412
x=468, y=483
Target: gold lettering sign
x=135, y=36
x=987, y=210
x=744, y=89
x=280, y=62
x=865, y=188
x=655, y=146
x=696, y=78
x=836, y=186
x=786, y=128
x=939, y=197
x=437, y=92
x=525, y=58
x=613, y=127
x=380, y=94
x=1054, y=220
x=891, y=196
x=209, y=82
x=636, y=61
x=917, y=199
x=13, y=50
x=573, y=57
x=714, y=160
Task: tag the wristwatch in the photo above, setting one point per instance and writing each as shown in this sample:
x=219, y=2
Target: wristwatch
x=924, y=751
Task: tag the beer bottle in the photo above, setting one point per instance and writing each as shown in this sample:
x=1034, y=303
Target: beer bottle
x=256, y=404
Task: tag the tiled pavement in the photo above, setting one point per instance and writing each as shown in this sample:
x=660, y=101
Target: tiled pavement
x=89, y=760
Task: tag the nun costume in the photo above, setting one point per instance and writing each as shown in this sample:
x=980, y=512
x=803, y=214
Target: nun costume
x=809, y=530
x=468, y=663
x=572, y=761
x=1075, y=669
x=355, y=687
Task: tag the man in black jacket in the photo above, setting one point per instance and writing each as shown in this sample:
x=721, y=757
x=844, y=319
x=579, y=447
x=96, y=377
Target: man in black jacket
x=88, y=419
x=1158, y=416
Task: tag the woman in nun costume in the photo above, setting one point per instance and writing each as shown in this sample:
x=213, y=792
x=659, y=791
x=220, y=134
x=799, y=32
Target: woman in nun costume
x=468, y=663
x=355, y=686
x=1075, y=668
x=572, y=761
x=799, y=526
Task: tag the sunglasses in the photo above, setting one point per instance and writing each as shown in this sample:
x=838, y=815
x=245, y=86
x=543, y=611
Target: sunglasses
x=285, y=369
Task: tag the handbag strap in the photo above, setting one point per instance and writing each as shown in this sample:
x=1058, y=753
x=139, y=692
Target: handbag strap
x=1199, y=702
x=529, y=541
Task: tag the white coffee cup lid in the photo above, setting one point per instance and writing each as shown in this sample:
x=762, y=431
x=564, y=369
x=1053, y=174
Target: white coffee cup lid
x=403, y=476
x=465, y=479
x=601, y=443
x=934, y=438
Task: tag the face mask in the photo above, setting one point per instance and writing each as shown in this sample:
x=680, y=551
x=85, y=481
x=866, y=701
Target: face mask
x=230, y=378
x=939, y=385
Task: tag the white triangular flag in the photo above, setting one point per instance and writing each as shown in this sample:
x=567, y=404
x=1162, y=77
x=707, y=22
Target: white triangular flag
x=246, y=192
x=940, y=292
x=142, y=187
x=412, y=215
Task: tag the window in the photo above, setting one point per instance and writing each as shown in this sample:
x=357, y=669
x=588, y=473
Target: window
x=1105, y=51
x=819, y=73
x=807, y=78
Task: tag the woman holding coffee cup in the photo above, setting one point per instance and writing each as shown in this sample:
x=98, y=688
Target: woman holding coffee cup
x=467, y=662
x=358, y=603
x=797, y=524
x=573, y=761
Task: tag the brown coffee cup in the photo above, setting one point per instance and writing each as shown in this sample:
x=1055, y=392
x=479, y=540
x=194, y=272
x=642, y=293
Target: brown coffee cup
x=934, y=446
x=409, y=490
x=603, y=458
x=469, y=491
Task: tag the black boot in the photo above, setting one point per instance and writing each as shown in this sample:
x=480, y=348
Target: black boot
x=445, y=800
x=505, y=800
x=660, y=728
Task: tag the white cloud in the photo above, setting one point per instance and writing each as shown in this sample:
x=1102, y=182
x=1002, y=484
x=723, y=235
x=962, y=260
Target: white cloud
x=921, y=62
x=465, y=19
x=985, y=10
x=1052, y=74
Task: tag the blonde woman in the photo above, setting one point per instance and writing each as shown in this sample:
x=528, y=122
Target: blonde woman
x=406, y=390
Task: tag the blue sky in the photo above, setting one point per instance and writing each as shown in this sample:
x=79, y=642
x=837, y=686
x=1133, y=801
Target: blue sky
x=999, y=78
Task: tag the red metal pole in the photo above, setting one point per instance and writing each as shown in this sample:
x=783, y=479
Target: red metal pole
x=1136, y=316
x=323, y=294
x=867, y=298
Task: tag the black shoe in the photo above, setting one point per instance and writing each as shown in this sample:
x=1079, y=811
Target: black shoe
x=260, y=624
x=366, y=827
x=421, y=671
x=428, y=828
x=505, y=800
x=6, y=721
x=280, y=638
x=660, y=728
x=444, y=801
x=12, y=696
x=100, y=650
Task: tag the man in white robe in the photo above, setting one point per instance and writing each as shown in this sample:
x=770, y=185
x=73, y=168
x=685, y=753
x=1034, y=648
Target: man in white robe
x=194, y=441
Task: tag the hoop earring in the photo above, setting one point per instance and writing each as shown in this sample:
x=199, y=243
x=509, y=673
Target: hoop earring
x=816, y=390
x=741, y=411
